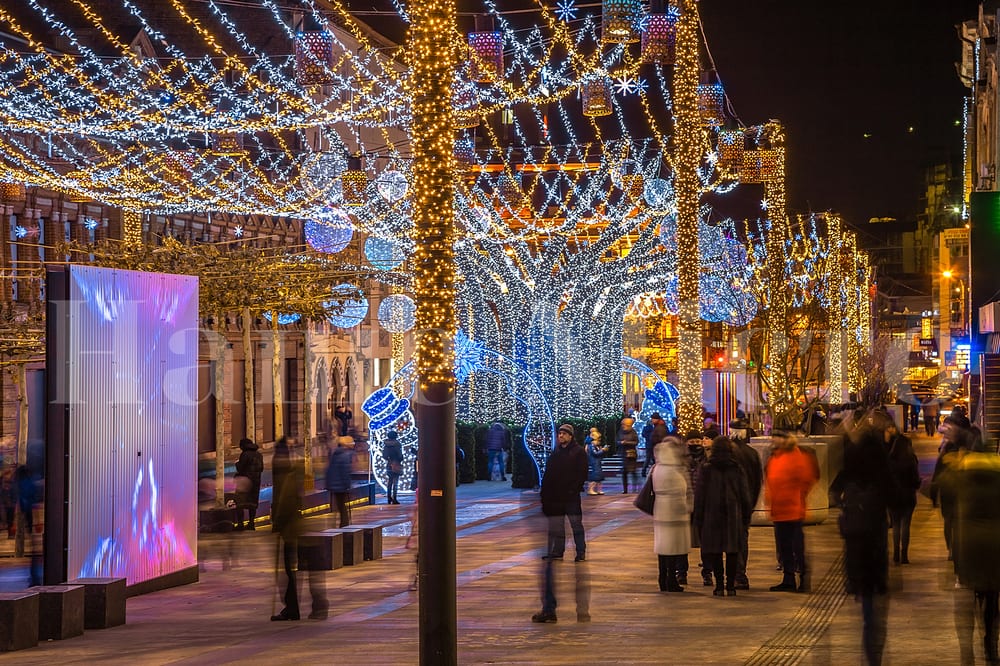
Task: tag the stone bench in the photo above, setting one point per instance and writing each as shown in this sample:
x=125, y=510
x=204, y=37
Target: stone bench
x=18, y=620
x=372, y=539
x=354, y=544
x=60, y=611
x=321, y=551
x=104, y=602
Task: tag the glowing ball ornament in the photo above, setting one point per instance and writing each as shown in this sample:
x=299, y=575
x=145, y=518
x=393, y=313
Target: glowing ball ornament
x=659, y=195
x=321, y=174
x=353, y=309
x=284, y=319
x=392, y=185
x=329, y=232
x=397, y=313
x=384, y=254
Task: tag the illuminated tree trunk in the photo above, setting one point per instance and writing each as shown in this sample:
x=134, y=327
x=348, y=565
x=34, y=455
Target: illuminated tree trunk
x=279, y=407
x=307, y=400
x=250, y=428
x=219, y=391
x=21, y=379
x=689, y=136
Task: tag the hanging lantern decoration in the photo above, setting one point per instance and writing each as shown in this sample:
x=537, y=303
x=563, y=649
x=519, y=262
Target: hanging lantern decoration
x=13, y=192
x=659, y=38
x=466, y=105
x=397, y=313
x=486, y=56
x=623, y=169
x=352, y=309
x=464, y=152
x=384, y=254
x=711, y=101
x=620, y=21
x=354, y=182
x=760, y=165
x=597, y=96
x=658, y=194
x=392, y=185
x=329, y=232
x=314, y=58
x=731, y=149
x=226, y=145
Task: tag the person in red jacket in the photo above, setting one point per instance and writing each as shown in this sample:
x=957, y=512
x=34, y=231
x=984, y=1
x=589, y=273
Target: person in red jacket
x=791, y=473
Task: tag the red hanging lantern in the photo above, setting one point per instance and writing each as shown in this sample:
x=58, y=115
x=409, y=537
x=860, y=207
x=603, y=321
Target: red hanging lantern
x=597, y=97
x=711, y=102
x=486, y=61
x=314, y=58
x=659, y=39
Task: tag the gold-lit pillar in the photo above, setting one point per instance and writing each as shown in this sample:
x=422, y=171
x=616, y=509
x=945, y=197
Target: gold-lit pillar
x=690, y=137
x=131, y=228
x=777, y=364
x=432, y=59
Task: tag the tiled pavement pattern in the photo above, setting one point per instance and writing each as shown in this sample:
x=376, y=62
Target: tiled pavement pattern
x=373, y=617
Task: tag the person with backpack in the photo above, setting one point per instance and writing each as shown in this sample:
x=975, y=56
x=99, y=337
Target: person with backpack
x=863, y=490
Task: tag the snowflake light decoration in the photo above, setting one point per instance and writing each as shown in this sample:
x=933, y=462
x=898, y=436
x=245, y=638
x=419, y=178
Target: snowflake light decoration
x=20, y=232
x=626, y=85
x=468, y=356
x=89, y=223
x=566, y=10
x=238, y=231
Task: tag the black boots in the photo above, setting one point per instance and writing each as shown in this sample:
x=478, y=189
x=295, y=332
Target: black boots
x=668, y=574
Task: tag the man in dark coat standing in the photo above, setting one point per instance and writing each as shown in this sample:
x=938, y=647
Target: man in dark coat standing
x=562, y=483
x=749, y=461
x=250, y=465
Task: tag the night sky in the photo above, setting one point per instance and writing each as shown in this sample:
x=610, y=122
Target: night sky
x=834, y=72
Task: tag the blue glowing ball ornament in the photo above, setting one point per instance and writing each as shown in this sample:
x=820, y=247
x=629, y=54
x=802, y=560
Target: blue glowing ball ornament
x=384, y=254
x=397, y=313
x=284, y=319
x=329, y=232
x=353, y=310
x=659, y=195
x=392, y=185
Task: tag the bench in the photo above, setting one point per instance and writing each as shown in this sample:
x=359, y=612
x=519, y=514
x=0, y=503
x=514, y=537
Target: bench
x=60, y=611
x=103, y=602
x=372, y=539
x=354, y=544
x=18, y=620
x=321, y=551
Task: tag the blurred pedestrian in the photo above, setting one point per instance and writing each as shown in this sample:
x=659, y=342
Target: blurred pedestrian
x=954, y=445
x=249, y=467
x=338, y=478
x=932, y=415
x=790, y=475
x=344, y=416
x=595, y=457
x=863, y=490
x=905, y=472
x=721, y=507
x=672, y=507
x=696, y=457
x=749, y=461
x=288, y=474
x=628, y=444
x=392, y=452
x=496, y=442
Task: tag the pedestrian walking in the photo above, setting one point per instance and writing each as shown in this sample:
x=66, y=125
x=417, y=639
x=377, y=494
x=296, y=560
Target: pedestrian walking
x=954, y=445
x=932, y=415
x=672, y=507
x=696, y=457
x=749, y=462
x=338, y=478
x=496, y=443
x=721, y=507
x=906, y=476
x=863, y=490
x=628, y=444
x=596, y=451
x=249, y=467
x=392, y=453
x=790, y=475
x=562, y=483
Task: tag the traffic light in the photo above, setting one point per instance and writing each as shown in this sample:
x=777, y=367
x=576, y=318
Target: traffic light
x=720, y=360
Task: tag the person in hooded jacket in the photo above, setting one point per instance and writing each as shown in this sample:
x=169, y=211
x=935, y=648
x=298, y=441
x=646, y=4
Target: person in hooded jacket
x=722, y=505
x=250, y=465
x=672, y=506
x=628, y=444
x=496, y=442
x=906, y=474
x=695, y=458
x=338, y=478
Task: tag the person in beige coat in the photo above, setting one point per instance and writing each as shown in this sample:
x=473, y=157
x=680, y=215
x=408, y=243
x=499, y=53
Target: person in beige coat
x=672, y=506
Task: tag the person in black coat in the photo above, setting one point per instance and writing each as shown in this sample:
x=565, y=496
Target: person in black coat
x=749, y=461
x=864, y=489
x=722, y=506
x=250, y=465
x=392, y=452
x=338, y=478
x=906, y=473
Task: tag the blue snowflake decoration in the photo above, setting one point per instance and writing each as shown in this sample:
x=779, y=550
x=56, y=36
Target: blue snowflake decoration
x=89, y=223
x=284, y=319
x=20, y=232
x=468, y=356
x=566, y=10
x=354, y=309
x=238, y=231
